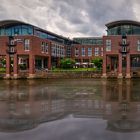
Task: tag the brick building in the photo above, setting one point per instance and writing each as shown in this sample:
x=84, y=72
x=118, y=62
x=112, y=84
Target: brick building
x=25, y=47
x=86, y=49
x=122, y=49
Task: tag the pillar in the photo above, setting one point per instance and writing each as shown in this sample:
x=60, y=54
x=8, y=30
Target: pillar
x=58, y=61
x=128, y=75
x=108, y=62
x=42, y=63
x=120, y=66
x=31, y=66
x=15, y=67
x=49, y=63
x=8, y=66
x=104, y=67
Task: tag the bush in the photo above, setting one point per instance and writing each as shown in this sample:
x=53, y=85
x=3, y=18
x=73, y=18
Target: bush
x=67, y=63
x=98, y=62
x=22, y=66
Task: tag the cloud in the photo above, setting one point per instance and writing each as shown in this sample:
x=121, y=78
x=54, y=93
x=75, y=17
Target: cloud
x=70, y=17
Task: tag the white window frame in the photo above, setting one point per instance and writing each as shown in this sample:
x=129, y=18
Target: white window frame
x=83, y=51
x=138, y=45
x=46, y=47
x=90, y=51
x=96, y=50
x=27, y=44
x=108, y=45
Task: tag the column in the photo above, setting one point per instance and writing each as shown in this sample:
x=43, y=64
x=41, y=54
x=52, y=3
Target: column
x=104, y=67
x=31, y=66
x=15, y=67
x=58, y=61
x=7, y=66
x=108, y=63
x=42, y=63
x=128, y=75
x=49, y=63
x=120, y=66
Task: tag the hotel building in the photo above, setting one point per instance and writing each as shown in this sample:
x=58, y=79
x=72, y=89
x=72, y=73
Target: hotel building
x=25, y=47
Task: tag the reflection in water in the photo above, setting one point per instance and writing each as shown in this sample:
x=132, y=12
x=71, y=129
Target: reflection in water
x=26, y=104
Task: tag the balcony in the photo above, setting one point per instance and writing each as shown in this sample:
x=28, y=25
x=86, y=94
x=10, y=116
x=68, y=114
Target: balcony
x=121, y=43
x=124, y=50
x=11, y=43
x=11, y=50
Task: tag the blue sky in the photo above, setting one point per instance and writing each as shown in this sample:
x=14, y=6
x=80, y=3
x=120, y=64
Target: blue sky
x=70, y=18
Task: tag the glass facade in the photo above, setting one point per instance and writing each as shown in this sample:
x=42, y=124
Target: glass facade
x=17, y=30
x=124, y=30
x=89, y=41
x=135, y=61
x=24, y=29
x=57, y=50
x=45, y=35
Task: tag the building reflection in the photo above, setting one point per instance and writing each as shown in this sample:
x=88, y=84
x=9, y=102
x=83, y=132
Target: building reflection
x=25, y=107
x=122, y=106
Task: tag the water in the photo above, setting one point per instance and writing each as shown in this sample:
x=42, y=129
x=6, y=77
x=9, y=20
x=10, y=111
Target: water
x=84, y=109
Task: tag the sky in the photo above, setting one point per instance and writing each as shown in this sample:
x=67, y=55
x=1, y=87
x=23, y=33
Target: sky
x=71, y=18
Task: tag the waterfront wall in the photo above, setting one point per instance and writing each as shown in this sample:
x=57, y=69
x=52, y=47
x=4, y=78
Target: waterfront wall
x=74, y=74
x=57, y=75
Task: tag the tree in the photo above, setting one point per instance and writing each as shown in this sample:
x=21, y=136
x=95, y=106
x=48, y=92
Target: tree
x=67, y=63
x=3, y=62
x=98, y=62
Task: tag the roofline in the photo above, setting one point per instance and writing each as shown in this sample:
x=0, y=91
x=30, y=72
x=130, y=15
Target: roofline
x=122, y=22
x=87, y=37
x=11, y=21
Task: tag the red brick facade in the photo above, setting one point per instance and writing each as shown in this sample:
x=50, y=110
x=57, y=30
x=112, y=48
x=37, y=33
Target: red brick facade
x=96, y=51
x=33, y=53
x=33, y=48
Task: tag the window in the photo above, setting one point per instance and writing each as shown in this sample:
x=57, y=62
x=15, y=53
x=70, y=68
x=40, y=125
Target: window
x=46, y=47
x=26, y=44
x=108, y=45
x=89, y=41
x=102, y=52
x=138, y=45
x=89, y=51
x=76, y=52
x=83, y=51
x=96, y=51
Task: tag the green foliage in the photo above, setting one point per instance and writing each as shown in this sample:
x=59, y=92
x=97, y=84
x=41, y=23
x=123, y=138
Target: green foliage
x=98, y=62
x=67, y=63
x=3, y=61
x=22, y=66
x=2, y=70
